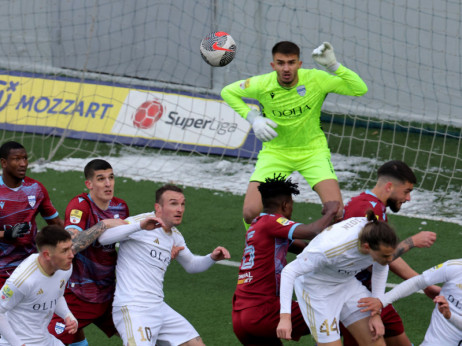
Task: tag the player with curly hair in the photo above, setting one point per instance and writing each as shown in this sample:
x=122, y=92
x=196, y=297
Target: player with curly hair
x=271, y=235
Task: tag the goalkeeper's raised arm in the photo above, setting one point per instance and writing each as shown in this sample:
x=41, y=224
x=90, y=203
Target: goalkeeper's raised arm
x=289, y=123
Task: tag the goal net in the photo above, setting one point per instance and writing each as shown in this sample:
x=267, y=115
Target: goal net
x=125, y=80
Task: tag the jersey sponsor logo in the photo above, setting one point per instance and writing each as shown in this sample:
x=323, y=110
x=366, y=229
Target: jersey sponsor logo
x=2, y=204
x=40, y=291
x=31, y=200
x=301, y=90
x=156, y=241
x=7, y=292
x=76, y=216
x=272, y=95
x=292, y=112
x=283, y=221
x=244, y=278
x=59, y=327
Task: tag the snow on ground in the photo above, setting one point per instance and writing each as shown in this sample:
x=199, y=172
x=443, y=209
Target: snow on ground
x=233, y=177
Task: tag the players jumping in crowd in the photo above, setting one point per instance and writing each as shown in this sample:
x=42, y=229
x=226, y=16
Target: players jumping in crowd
x=325, y=284
x=395, y=182
x=289, y=123
x=256, y=304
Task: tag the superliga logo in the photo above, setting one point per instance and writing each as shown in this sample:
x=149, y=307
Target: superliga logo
x=147, y=114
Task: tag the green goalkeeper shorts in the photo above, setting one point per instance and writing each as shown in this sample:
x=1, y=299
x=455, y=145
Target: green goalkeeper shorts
x=313, y=165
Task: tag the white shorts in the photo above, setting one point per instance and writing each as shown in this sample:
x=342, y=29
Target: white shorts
x=324, y=306
x=157, y=325
x=50, y=340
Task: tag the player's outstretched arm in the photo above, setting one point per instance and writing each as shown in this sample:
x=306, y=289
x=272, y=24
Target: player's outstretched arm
x=405, y=272
x=374, y=305
x=420, y=240
x=197, y=264
x=82, y=240
x=324, y=55
x=220, y=253
x=309, y=231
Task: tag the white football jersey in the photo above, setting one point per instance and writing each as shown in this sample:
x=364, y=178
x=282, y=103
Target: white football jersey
x=29, y=297
x=333, y=256
x=441, y=331
x=142, y=261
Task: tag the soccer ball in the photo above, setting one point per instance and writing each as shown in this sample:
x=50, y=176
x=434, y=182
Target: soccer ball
x=218, y=48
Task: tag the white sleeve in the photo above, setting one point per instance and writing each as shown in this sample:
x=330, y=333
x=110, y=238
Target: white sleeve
x=7, y=332
x=456, y=320
x=379, y=279
x=62, y=310
x=404, y=289
x=119, y=233
x=303, y=264
x=429, y=277
x=193, y=263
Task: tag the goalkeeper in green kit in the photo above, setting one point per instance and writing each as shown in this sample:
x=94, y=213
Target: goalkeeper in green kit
x=289, y=123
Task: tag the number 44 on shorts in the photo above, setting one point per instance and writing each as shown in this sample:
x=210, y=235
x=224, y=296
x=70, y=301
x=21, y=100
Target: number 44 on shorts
x=329, y=328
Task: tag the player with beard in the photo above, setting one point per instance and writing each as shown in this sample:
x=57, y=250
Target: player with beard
x=289, y=125
x=395, y=182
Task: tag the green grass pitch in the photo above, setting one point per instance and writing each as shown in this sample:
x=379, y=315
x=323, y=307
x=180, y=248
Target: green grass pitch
x=214, y=218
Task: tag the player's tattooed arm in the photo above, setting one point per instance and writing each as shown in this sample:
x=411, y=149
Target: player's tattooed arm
x=403, y=247
x=82, y=240
x=420, y=240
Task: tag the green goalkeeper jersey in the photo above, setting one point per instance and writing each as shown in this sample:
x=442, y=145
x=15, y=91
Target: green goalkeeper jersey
x=296, y=110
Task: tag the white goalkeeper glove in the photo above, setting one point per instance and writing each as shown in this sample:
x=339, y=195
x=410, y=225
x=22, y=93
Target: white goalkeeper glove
x=324, y=55
x=263, y=127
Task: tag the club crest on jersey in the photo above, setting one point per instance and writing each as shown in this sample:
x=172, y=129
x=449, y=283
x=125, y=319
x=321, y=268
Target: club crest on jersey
x=31, y=200
x=245, y=84
x=75, y=216
x=59, y=327
x=7, y=292
x=301, y=90
x=283, y=221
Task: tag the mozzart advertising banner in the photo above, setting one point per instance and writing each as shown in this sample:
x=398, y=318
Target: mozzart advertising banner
x=96, y=111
